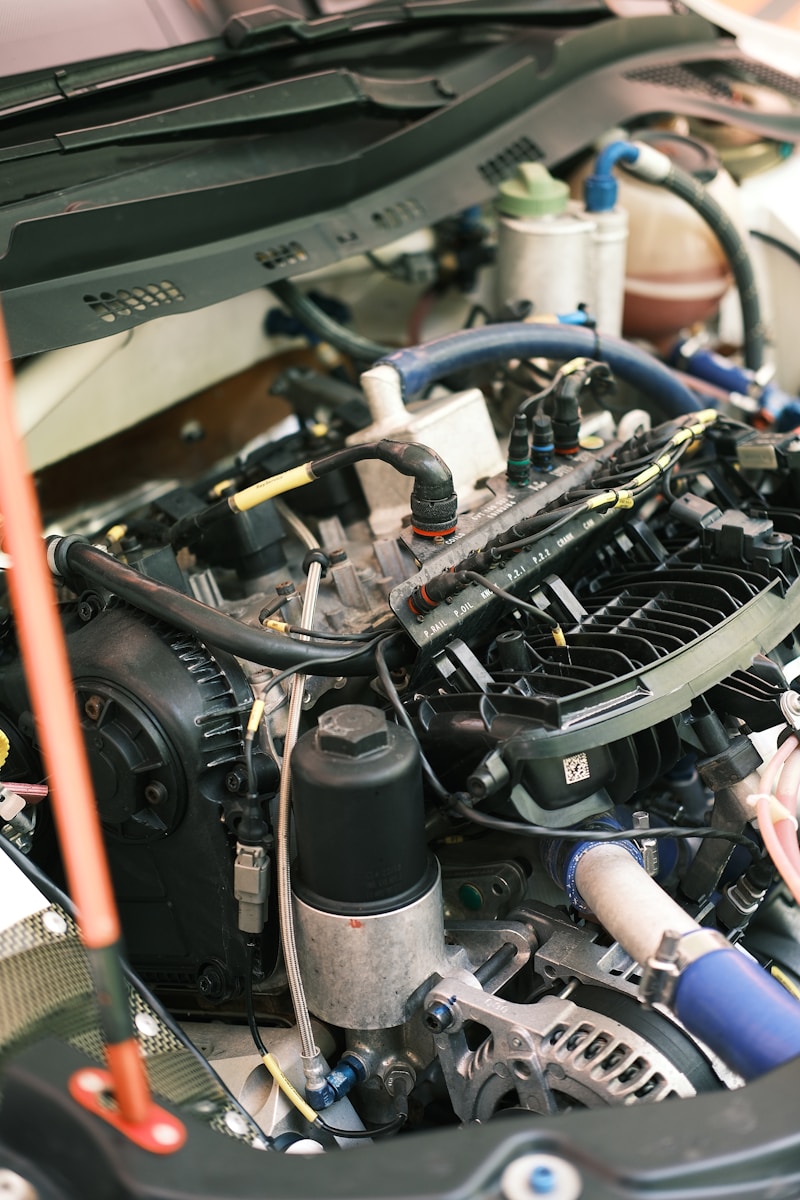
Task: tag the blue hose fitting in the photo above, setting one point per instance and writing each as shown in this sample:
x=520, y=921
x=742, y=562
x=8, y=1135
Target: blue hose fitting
x=728, y=1001
x=561, y=858
x=339, y=1083
x=600, y=188
x=578, y=317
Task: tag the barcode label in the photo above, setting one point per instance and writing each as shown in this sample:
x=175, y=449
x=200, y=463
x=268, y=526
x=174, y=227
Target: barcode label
x=576, y=768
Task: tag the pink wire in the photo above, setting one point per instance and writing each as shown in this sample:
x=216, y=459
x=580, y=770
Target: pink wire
x=780, y=837
x=787, y=836
x=789, y=782
x=786, y=793
x=776, y=762
x=784, y=864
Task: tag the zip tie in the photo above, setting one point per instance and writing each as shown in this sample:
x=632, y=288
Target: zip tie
x=699, y=429
x=777, y=811
x=603, y=499
x=618, y=498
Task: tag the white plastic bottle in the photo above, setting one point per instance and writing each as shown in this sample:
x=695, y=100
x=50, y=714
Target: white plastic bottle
x=610, y=244
x=544, y=244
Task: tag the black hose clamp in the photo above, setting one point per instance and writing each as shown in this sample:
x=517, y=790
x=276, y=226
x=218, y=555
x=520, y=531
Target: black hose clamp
x=316, y=556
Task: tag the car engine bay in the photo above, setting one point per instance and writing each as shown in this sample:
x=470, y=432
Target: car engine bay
x=443, y=731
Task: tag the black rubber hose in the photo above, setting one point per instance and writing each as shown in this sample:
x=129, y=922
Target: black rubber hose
x=78, y=559
x=434, y=504
x=312, y=316
x=433, y=486
x=777, y=244
x=432, y=476
x=682, y=184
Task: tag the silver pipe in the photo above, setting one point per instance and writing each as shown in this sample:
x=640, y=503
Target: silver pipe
x=630, y=905
x=310, y=1050
x=299, y=528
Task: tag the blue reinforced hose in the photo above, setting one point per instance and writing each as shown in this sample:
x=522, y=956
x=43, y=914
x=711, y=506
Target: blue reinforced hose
x=420, y=366
x=730, y=1002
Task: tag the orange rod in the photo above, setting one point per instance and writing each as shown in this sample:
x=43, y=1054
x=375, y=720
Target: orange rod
x=49, y=681
x=131, y=1089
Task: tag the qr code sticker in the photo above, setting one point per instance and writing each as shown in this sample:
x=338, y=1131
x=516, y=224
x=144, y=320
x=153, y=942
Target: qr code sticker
x=576, y=768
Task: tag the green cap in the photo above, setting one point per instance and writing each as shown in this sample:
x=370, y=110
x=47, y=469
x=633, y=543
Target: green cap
x=532, y=192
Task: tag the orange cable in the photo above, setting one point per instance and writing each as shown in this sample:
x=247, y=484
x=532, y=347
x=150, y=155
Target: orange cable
x=49, y=681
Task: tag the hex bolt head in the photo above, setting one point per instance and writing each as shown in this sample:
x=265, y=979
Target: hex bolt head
x=541, y=1174
x=400, y=1080
x=211, y=982
x=155, y=793
x=352, y=729
x=439, y=1017
x=543, y=1180
x=235, y=780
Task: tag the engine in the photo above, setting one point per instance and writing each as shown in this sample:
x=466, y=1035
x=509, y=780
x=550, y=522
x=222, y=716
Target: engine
x=412, y=399
x=369, y=768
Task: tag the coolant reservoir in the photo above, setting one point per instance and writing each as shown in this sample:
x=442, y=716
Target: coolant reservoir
x=543, y=244
x=676, y=271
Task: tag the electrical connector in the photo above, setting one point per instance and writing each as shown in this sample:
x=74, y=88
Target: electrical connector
x=251, y=884
x=519, y=460
x=542, y=443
